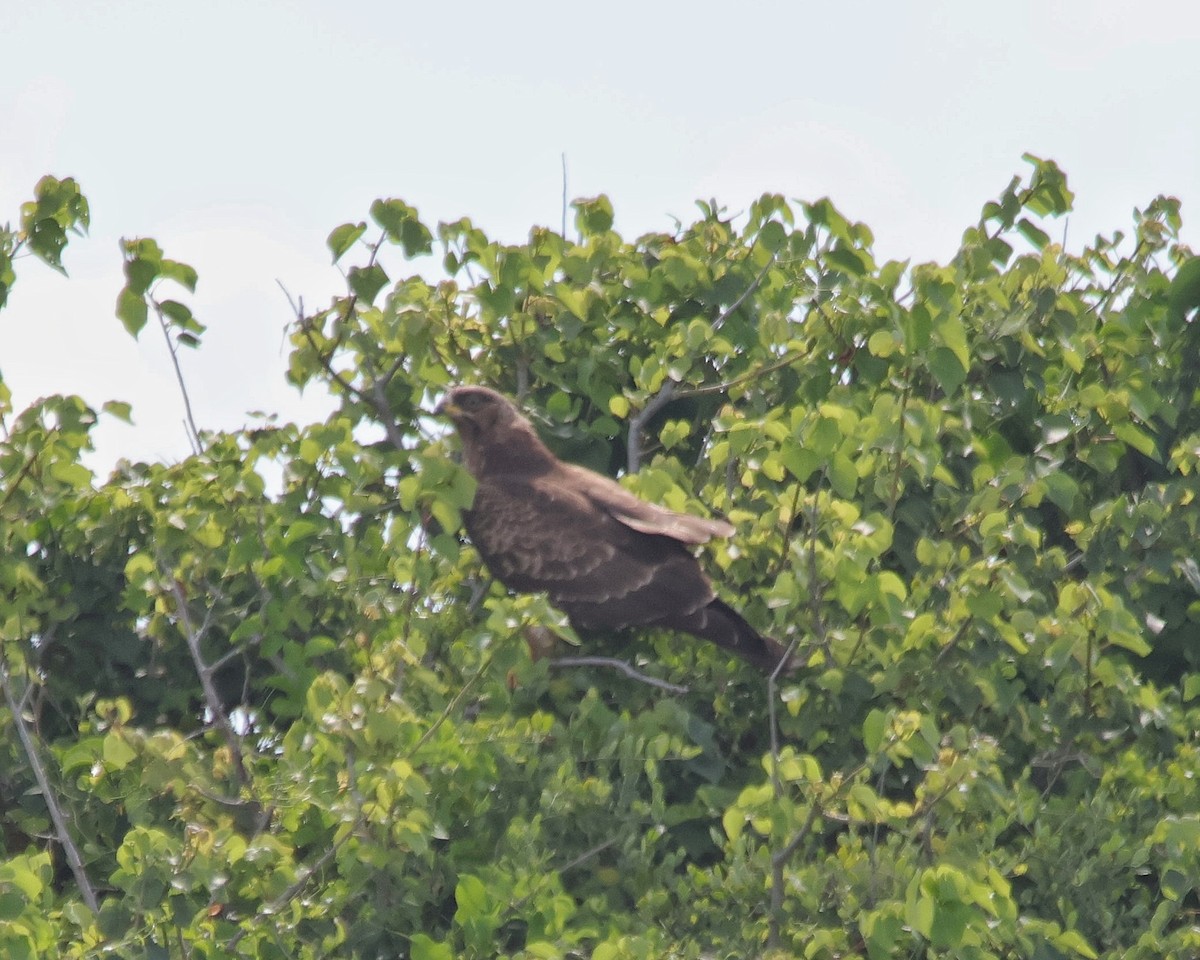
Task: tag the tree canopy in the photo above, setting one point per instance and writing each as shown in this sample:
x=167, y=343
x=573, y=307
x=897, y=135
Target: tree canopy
x=264, y=702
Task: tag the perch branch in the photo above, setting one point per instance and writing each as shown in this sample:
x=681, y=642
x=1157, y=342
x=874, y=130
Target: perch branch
x=563, y=663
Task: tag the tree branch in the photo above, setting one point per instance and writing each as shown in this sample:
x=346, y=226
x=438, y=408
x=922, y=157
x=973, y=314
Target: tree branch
x=57, y=815
x=193, y=636
x=633, y=445
x=563, y=663
x=190, y=420
x=754, y=285
x=298, y=886
x=779, y=862
x=456, y=700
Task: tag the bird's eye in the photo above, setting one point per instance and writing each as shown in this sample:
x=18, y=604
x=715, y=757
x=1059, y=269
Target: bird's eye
x=473, y=401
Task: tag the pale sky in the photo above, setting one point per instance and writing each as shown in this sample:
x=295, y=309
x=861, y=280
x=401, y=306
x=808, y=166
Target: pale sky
x=238, y=134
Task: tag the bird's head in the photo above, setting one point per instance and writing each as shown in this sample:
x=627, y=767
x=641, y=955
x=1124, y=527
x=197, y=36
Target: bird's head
x=477, y=411
x=493, y=432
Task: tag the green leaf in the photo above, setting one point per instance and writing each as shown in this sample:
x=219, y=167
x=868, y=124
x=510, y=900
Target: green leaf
x=773, y=235
x=849, y=260
x=118, y=409
x=947, y=369
x=471, y=897
x=1137, y=438
x=882, y=343
x=424, y=947
x=1183, y=295
x=402, y=225
x=181, y=273
x=874, y=728
x=180, y=315
x=131, y=311
x=47, y=239
x=593, y=216
x=1037, y=237
x=117, y=753
x=140, y=273
x=801, y=462
x=7, y=277
x=843, y=476
x=366, y=282
x=344, y=237
x=1062, y=490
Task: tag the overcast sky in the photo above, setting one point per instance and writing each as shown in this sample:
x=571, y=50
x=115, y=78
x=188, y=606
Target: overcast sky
x=238, y=133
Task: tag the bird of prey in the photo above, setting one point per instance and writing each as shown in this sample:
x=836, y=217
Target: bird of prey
x=606, y=558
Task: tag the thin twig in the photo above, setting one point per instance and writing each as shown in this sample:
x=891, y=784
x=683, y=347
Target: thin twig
x=192, y=636
x=57, y=815
x=563, y=234
x=21, y=475
x=190, y=422
x=778, y=865
x=378, y=400
x=898, y=461
x=298, y=886
x=562, y=663
x=457, y=699
x=754, y=284
x=558, y=871
x=787, y=535
x=726, y=385
x=669, y=390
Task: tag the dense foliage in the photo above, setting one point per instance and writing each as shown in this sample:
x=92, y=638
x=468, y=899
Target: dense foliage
x=264, y=703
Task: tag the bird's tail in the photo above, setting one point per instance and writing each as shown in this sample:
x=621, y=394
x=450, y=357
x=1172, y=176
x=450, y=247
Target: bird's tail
x=725, y=627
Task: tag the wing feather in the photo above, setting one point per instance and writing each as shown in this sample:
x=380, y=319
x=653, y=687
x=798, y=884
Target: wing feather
x=640, y=515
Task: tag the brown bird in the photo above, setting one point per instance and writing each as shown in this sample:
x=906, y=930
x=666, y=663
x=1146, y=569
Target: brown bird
x=605, y=558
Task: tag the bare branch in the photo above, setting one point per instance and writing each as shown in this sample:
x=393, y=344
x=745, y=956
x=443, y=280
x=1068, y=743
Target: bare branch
x=57, y=815
x=779, y=862
x=172, y=348
x=378, y=400
x=784, y=361
x=562, y=663
x=633, y=446
x=193, y=636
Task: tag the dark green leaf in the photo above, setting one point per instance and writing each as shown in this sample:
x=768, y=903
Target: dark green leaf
x=946, y=368
x=1184, y=293
x=593, y=216
x=366, y=282
x=140, y=275
x=1037, y=237
x=402, y=225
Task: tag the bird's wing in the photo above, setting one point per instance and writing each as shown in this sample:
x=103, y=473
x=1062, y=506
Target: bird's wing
x=640, y=515
x=543, y=533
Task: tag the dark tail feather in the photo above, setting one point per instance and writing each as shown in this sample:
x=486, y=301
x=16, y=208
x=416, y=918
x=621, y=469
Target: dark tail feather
x=725, y=627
